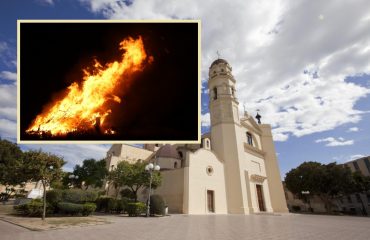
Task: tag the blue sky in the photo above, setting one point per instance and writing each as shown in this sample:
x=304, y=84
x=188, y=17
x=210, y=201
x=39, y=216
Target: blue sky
x=304, y=64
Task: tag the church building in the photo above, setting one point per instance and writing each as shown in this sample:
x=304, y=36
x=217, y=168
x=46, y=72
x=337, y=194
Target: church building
x=233, y=171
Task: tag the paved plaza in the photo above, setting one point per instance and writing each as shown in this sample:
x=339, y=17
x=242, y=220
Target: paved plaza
x=207, y=227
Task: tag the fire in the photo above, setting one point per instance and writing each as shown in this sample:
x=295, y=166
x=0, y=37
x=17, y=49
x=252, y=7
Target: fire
x=86, y=105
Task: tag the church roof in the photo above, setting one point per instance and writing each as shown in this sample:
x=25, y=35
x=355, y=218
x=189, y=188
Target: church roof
x=168, y=151
x=218, y=61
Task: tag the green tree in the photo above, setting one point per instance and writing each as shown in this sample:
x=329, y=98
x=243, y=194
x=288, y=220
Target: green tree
x=11, y=162
x=336, y=180
x=44, y=167
x=134, y=177
x=325, y=181
x=91, y=173
x=361, y=185
x=113, y=178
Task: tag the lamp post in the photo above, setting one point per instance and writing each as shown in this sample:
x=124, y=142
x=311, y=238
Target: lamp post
x=73, y=177
x=306, y=193
x=150, y=168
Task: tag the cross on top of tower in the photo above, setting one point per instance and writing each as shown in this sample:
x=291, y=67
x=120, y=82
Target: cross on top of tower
x=218, y=54
x=258, y=117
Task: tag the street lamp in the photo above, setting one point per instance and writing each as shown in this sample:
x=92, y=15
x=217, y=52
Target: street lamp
x=306, y=193
x=73, y=177
x=150, y=168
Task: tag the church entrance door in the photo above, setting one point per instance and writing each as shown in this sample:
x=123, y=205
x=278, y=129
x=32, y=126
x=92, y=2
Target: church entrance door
x=210, y=201
x=261, y=202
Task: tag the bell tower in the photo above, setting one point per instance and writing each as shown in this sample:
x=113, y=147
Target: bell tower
x=223, y=103
x=226, y=135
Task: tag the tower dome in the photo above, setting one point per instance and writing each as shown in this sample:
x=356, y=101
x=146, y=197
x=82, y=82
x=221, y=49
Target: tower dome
x=168, y=151
x=218, y=61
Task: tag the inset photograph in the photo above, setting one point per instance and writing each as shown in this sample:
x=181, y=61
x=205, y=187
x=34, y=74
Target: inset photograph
x=108, y=81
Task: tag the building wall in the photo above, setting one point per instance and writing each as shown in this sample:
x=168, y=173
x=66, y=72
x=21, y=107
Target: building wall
x=227, y=144
x=278, y=201
x=357, y=204
x=363, y=167
x=120, y=152
x=199, y=181
x=298, y=205
x=172, y=189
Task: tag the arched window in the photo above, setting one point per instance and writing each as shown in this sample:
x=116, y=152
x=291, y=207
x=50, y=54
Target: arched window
x=249, y=139
x=214, y=93
x=175, y=165
x=180, y=154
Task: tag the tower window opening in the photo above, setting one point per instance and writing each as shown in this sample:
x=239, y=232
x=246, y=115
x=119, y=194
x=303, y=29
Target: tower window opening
x=233, y=91
x=175, y=165
x=249, y=139
x=215, y=93
x=180, y=154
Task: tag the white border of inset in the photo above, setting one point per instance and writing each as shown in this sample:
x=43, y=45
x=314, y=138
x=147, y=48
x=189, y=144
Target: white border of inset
x=108, y=141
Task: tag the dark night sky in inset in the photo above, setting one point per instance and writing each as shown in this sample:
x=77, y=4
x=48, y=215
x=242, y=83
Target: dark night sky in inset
x=162, y=103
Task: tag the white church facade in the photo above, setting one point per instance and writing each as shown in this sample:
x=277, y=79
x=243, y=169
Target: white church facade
x=233, y=171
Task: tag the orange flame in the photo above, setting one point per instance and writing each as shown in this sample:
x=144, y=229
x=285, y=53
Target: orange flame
x=85, y=105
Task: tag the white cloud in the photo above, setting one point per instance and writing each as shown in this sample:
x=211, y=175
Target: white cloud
x=206, y=120
x=8, y=129
x=8, y=75
x=8, y=111
x=353, y=129
x=290, y=58
x=46, y=2
x=356, y=156
x=3, y=47
x=73, y=154
x=333, y=142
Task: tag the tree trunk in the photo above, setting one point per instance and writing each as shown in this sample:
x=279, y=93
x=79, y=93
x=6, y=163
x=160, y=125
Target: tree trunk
x=44, y=201
x=135, y=193
x=117, y=191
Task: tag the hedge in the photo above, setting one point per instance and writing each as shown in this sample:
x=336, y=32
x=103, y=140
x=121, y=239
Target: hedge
x=34, y=208
x=157, y=205
x=79, y=196
x=109, y=204
x=136, y=209
x=75, y=208
x=71, y=195
x=88, y=208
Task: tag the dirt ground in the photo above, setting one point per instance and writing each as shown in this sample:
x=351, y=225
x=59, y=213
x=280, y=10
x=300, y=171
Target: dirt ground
x=7, y=214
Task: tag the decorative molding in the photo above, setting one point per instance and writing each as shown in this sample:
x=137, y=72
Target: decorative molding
x=253, y=150
x=254, y=127
x=257, y=178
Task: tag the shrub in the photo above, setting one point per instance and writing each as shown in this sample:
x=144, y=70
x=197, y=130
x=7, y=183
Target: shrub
x=111, y=205
x=53, y=197
x=79, y=196
x=103, y=204
x=88, y=208
x=70, y=208
x=123, y=204
x=157, y=205
x=34, y=208
x=135, y=209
